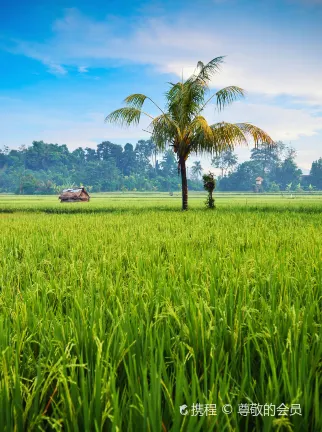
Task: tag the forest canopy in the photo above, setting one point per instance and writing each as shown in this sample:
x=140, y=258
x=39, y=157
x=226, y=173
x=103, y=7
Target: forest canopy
x=47, y=168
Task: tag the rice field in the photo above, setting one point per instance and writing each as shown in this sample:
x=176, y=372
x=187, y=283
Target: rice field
x=117, y=312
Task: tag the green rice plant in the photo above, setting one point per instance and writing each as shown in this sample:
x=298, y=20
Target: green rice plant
x=115, y=314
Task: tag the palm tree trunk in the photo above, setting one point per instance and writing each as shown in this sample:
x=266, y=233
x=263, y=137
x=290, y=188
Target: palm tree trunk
x=184, y=184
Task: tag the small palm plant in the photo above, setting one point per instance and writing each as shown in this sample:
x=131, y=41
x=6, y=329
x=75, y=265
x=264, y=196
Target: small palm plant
x=288, y=187
x=311, y=188
x=181, y=124
x=209, y=184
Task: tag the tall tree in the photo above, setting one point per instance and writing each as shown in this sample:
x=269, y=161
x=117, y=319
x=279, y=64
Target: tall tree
x=316, y=173
x=288, y=172
x=107, y=150
x=90, y=155
x=269, y=158
x=143, y=151
x=128, y=160
x=181, y=124
x=242, y=179
x=168, y=164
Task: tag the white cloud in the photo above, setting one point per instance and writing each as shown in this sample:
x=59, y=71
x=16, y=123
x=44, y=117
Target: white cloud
x=281, y=123
x=56, y=69
x=82, y=69
x=270, y=62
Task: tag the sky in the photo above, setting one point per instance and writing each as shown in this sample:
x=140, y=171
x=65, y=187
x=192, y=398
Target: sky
x=65, y=65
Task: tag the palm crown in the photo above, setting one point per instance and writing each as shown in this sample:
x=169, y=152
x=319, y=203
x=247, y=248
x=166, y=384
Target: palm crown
x=181, y=124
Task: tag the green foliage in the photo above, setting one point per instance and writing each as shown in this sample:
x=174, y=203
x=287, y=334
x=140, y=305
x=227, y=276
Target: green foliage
x=276, y=165
x=209, y=184
x=196, y=170
x=225, y=160
x=274, y=187
x=47, y=168
x=114, y=313
x=316, y=174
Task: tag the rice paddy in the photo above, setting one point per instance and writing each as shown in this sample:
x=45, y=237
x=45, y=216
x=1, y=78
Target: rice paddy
x=117, y=312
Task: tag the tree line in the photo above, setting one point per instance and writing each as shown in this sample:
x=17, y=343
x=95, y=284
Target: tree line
x=47, y=168
x=275, y=165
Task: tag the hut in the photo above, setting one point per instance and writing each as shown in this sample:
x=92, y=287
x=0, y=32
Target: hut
x=259, y=181
x=258, y=185
x=74, y=195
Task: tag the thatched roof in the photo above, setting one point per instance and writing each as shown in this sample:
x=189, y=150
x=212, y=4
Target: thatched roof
x=77, y=194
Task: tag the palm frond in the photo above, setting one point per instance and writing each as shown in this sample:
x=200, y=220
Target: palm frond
x=163, y=131
x=184, y=101
x=126, y=116
x=258, y=135
x=135, y=100
x=201, y=128
x=227, y=136
x=174, y=95
x=207, y=71
x=224, y=136
x=228, y=95
x=224, y=97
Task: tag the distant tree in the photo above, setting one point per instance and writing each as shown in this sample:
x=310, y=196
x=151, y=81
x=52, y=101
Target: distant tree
x=107, y=150
x=274, y=187
x=267, y=157
x=28, y=184
x=298, y=188
x=128, y=165
x=242, y=179
x=225, y=160
x=316, y=173
x=169, y=164
x=196, y=170
x=90, y=155
x=288, y=187
x=79, y=155
x=288, y=172
x=143, y=152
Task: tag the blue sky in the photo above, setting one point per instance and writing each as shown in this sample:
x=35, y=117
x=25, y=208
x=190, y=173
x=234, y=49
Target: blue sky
x=64, y=65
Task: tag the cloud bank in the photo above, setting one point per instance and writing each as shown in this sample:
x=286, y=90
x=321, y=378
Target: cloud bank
x=261, y=60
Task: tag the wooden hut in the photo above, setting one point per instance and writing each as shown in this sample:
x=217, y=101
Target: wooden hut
x=74, y=195
x=258, y=185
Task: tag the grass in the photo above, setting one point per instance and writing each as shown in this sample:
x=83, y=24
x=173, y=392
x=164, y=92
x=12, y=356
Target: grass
x=114, y=313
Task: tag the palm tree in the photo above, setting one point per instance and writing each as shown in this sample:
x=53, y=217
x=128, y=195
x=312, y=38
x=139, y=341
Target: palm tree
x=196, y=169
x=181, y=124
